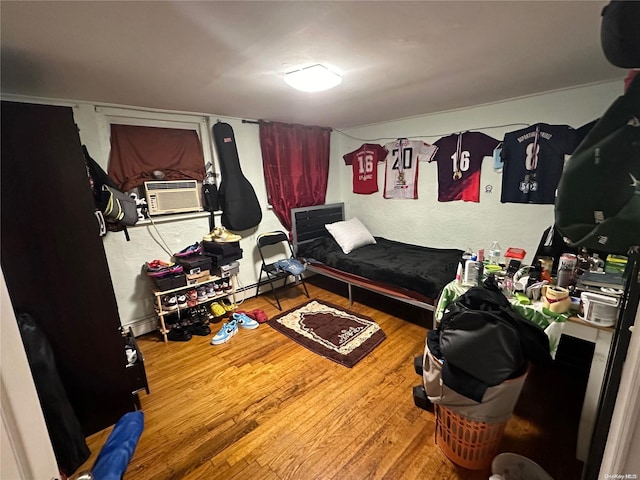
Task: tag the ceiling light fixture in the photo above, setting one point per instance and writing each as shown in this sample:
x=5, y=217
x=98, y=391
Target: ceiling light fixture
x=315, y=78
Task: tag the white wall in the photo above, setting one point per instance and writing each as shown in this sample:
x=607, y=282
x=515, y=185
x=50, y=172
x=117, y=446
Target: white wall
x=132, y=287
x=426, y=221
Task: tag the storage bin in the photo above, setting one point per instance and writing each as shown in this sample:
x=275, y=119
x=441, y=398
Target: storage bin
x=460, y=433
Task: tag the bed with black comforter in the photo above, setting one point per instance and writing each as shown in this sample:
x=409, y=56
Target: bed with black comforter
x=415, y=268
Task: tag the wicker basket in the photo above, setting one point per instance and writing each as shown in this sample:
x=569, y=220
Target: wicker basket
x=465, y=442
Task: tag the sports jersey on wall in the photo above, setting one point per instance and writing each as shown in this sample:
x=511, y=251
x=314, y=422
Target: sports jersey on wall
x=533, y=162
x=459, y=159
x=364, y=161
x=401, y=170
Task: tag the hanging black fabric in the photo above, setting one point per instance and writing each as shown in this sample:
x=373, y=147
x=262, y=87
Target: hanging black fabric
x=107, y=197
x=598, y=203
x=211, y=201
x=65, y=432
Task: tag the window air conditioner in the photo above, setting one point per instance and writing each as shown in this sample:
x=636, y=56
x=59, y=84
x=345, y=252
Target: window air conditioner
x=178, y=196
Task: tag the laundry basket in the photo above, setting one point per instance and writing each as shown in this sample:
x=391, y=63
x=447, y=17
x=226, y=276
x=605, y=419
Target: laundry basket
x=468, y=443
x=469, y=433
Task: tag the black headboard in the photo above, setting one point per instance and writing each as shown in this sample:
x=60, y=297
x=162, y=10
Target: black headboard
x=307, y=223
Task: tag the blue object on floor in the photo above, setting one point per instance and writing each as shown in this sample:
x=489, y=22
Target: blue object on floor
x=117, y=451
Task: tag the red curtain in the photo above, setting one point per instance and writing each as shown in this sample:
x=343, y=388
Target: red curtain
x=136, y=151
x=295, y=159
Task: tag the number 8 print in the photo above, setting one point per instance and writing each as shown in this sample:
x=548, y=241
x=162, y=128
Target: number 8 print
x=532, y=156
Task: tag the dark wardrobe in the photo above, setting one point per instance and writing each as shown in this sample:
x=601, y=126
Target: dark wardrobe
x=54, y=262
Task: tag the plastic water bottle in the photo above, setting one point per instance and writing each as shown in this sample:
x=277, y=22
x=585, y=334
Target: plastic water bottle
x=494, y=253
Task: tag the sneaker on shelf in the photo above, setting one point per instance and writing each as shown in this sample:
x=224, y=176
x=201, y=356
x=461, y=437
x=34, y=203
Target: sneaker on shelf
x=192, y=298
x=179, y=334
x=202, y=293
x=199, y=329
x=228, y=305
x=188, y=251
x=204, y=314
x=245, y=321
x=217, y=310
x=169, y=303
x=159, y=269
x=227, y=331
x=182, y=300
x=217, y=288
x=193, y=315
x=210, y=289
x=221, y=235
x=226, y=286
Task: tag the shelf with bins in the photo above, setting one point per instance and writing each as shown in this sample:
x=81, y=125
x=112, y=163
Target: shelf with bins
x=159, y=295
x=136, y=372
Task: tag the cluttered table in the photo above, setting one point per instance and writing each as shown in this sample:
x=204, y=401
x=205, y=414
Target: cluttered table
x=555, y=325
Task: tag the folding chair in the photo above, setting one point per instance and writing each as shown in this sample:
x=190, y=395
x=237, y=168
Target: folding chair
x=267, y=246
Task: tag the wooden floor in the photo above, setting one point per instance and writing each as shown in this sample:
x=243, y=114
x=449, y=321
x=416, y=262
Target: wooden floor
x=263, y=407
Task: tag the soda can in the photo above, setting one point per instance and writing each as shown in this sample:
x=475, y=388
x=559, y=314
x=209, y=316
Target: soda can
x=568, y=261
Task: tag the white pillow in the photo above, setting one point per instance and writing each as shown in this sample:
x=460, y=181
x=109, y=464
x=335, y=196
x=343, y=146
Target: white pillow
x=350, y=234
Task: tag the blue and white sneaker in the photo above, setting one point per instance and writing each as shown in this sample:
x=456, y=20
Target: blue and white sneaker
x=245, y=321
x=227, y=331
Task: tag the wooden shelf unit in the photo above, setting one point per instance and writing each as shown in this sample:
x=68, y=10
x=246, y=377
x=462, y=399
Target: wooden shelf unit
x=159, y=294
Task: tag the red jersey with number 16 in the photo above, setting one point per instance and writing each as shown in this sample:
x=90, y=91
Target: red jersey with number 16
x=364, y=161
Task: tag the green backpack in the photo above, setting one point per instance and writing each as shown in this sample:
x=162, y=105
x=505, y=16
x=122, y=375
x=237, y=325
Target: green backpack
x=598, y=202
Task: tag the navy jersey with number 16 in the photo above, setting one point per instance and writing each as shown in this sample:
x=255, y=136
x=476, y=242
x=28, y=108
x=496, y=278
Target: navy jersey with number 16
x=459, y=161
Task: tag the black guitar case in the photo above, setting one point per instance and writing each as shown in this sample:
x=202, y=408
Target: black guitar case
x=238, y=201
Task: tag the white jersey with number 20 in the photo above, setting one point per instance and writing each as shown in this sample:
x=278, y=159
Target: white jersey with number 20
x=401, y=171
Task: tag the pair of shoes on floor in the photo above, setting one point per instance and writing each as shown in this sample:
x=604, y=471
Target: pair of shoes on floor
x=221, y=235
x=258, y=315
x=230, y=328
x=179, y=334
x=200, y=329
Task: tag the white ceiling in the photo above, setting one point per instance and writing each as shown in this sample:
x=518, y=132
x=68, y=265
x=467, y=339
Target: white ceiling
x=398, y=59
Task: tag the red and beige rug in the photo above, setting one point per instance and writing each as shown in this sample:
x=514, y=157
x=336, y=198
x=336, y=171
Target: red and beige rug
x=328, y=330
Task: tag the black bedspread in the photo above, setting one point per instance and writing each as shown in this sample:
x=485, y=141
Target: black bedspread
x=420, y=269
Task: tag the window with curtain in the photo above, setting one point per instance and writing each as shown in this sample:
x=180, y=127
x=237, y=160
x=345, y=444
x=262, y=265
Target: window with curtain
x=138, y=151
x=295, y=159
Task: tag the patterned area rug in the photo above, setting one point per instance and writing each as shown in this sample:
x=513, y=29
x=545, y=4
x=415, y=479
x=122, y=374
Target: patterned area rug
x=342, y=336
